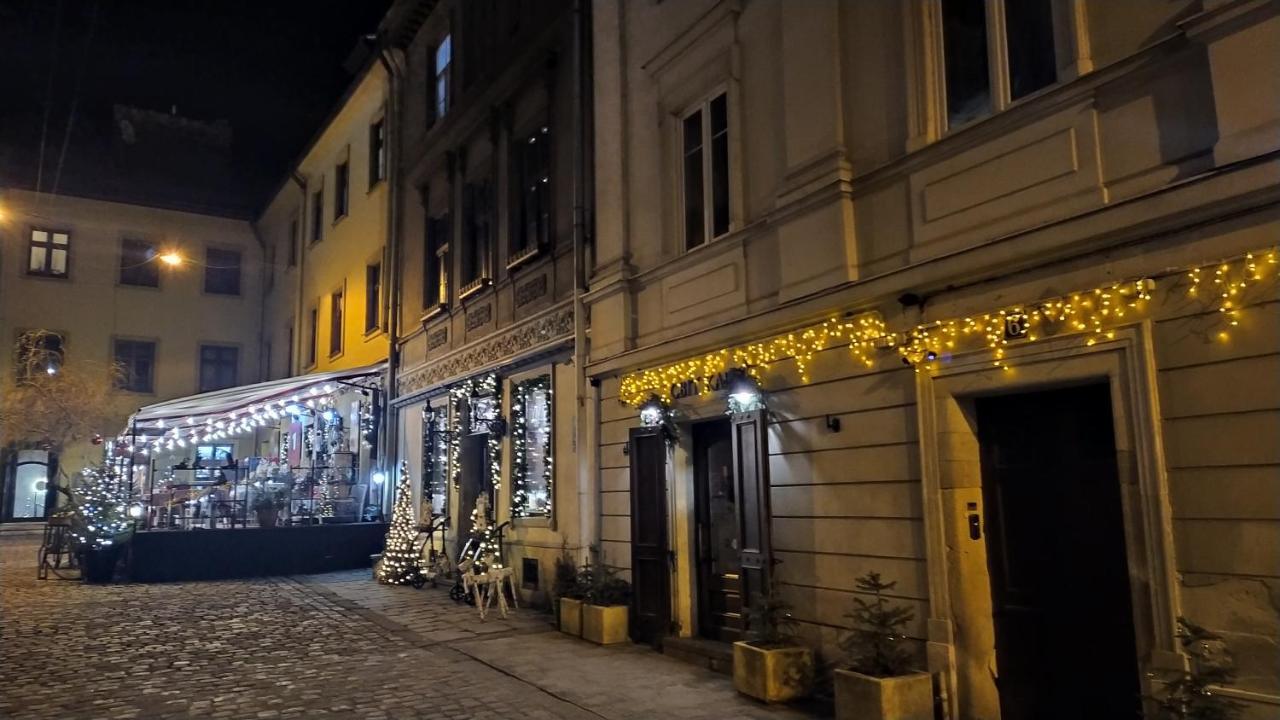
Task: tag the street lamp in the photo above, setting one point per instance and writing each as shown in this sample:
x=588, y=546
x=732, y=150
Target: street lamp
x=171, y=258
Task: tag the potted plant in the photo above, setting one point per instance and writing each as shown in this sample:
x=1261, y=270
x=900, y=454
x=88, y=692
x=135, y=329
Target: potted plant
x=879, y=682
x=267, y=505
x=100, y=526
x=568, y=591
x=1191, y=693
x=605, y=608
x=771, y=665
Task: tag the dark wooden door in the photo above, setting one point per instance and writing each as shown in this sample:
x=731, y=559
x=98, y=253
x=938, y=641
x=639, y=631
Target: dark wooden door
x=472, y=480
x=1056, y=554
x=650, y=550
x=751, y=477
x=718, y=563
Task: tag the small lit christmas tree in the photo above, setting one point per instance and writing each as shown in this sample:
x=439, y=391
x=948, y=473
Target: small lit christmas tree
x=399, y=564
x=99, y=516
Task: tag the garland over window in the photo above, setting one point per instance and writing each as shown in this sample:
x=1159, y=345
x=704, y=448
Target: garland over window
x=471, y=398
x=531, y=469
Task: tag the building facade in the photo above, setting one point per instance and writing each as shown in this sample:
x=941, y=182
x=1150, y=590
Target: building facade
x=90, y=272
x=980, y=296
x=485, y=383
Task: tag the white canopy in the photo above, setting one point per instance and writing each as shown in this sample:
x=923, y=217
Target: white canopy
x=194, y=409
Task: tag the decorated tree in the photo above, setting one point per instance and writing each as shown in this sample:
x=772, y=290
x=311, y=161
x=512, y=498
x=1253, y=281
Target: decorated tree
x=398, y=565
x=99, y=518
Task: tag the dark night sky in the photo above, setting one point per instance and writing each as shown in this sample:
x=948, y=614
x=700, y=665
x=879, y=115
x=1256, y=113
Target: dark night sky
x=271, y=68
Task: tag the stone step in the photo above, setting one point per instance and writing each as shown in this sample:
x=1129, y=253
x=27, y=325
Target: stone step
x=711, y=654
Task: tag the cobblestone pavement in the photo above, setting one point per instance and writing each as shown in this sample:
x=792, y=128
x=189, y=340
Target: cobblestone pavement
x=335, y=645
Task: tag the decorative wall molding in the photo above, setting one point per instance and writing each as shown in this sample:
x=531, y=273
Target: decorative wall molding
x=552, y=326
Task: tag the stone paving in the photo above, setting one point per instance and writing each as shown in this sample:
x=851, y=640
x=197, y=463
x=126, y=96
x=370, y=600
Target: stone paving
x=335, y=645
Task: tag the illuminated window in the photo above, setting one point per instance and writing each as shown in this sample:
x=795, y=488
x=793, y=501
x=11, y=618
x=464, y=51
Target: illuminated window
x=48, y=253
x=532, y=447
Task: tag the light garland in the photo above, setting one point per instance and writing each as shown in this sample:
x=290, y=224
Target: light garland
x=463, y=395
x=1095, y=313
x=520, y=491
x=99, y=507
x=398, y=565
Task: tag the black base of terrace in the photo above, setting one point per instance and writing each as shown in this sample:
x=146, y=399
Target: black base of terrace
x=171, y=555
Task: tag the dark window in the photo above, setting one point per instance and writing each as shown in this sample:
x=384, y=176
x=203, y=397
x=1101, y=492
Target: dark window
x=705, y=145
x=293, y=242
x=219, y=365
x=335, y=323
x=341, y=190
x=372, y=297
x=138, y=263
x=313, y=348
x=40, y=351
x=435, y=270
x=532, y=158
x=377, y=153
x=48, y=253
x=317, y=215
x=477, y=212
x=137, y=361
x=1029, y=29
x=441, y=62
x=964, y=41
x=222, y=271
x=694, y=222
x=719, y=166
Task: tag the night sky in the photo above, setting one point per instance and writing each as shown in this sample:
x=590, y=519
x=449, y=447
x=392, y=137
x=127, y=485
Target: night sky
x=271, y=68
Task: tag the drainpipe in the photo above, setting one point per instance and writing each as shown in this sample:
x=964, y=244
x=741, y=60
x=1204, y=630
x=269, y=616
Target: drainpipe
x=391, y=253
x=585, y=415
x=295, y=352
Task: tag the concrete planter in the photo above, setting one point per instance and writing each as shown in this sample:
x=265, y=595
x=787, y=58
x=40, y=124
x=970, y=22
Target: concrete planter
x=864, y=697
x=571, y=616
x=772, y=673
x=605, y=624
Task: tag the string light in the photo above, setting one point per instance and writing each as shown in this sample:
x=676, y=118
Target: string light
x=1094, y=313
x=522, y=490
x=398, y=565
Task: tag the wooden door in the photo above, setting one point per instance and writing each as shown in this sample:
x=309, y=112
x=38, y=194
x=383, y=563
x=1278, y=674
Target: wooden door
x=718, y=559
x=650, y=550
x=1061, y=602
x=472, y=480
x=751, y=474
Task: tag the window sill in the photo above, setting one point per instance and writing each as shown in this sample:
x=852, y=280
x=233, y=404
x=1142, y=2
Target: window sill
x=433, y=312
x=48, y=276
x=134, y=286
x=380, y=182
x=532, y=521
x=524, y=257
x=472, y=288
x=374, y=332
x=339, y=219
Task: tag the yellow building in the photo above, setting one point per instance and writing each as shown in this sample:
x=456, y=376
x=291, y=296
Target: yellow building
x=1003, y=273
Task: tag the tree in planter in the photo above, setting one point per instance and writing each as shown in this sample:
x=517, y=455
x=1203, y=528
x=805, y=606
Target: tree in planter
x=53, y=402
x=876, y=646
x=1189, y=694
x=601, y=585
x=769, y=622
x=771, y=664
x=99, y=521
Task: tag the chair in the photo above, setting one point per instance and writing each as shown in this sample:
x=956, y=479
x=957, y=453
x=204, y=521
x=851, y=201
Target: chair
x=56, y=544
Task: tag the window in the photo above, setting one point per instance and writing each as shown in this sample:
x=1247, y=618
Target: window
x=317, y=216
x=137, y=361
x=48, y=253
x=477, y=206
x=705, y=145
x=293, y=242
x=137, y=263
x=219, y=365
x=531, y=447
x=435, y=271
x=222, y=271
x=1025, y=60
x=313, y=348
x=435, y=459
x=40, y=351
x=441, y=60
x=377, y=152
x=341, y=190
x=212, y=456
x=335, y=323
x=532, y=170
x=372, y=297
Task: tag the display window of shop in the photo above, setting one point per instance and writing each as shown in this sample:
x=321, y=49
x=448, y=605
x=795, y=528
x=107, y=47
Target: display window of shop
x=435, y=458
x=531, y=445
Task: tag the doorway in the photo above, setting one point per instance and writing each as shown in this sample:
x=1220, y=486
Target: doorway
x=719, y=568
x=1056, y=555
x=651, y=557
x=473, y=479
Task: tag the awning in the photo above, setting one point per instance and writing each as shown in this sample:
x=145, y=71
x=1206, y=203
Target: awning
x=221, y=404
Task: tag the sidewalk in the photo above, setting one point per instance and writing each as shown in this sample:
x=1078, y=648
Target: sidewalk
x=621, y=682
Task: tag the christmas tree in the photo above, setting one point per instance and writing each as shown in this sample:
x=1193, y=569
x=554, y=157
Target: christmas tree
x=398, y=565
x=99, y=518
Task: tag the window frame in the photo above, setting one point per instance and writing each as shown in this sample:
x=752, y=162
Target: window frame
x=317, y=215
x=530, y=375
x=49, y=247
x=373, y=298
x=439, y=407
x=378, y=156
x=122, y=384
x=341, y=190
x=521, y=249
x=703, y=105
x=440, y=103
x=482, y=189
x=239, y=270
x=436, y=258
x=200, y=364
x=337, y=321
x=295, y=226
x=151, y=261
x=313, y=319
x=21, y=364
